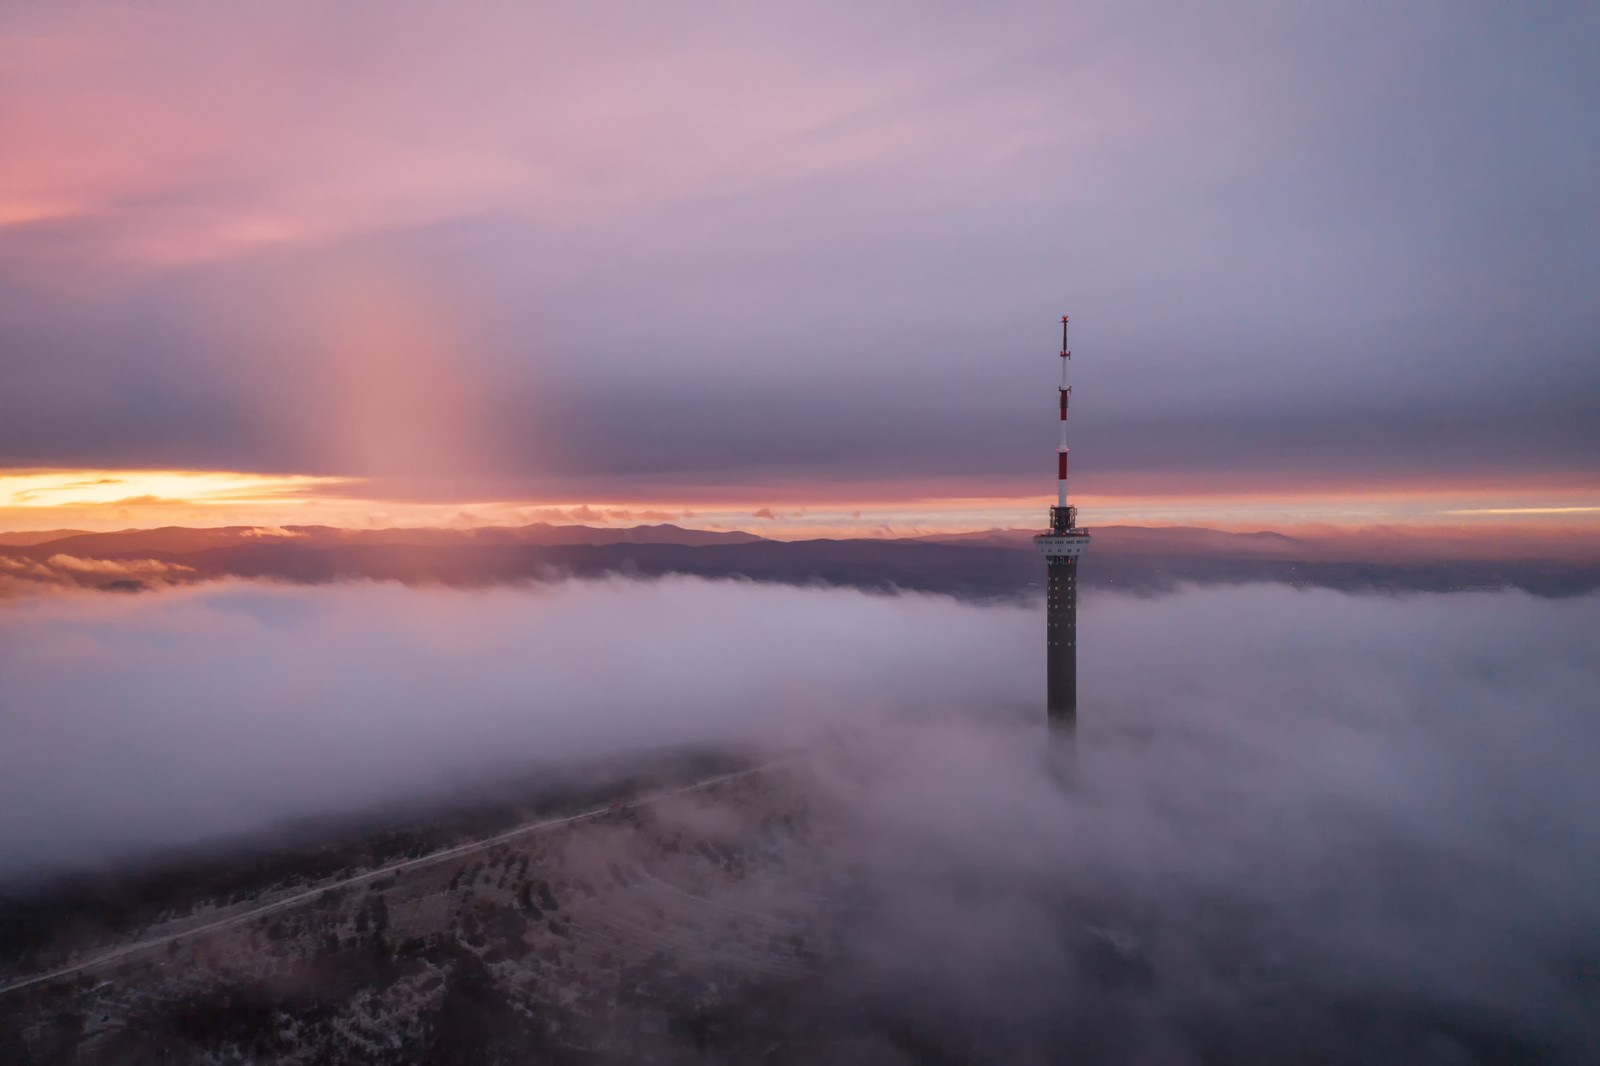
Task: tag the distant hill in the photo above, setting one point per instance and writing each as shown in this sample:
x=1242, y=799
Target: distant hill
x=1377, y=544
x=985, y=565
x=1160, y=540
x=183, y=539
x=24, y=539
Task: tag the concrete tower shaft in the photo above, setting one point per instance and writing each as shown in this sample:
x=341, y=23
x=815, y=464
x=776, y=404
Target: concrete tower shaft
x=1061, y=646
x=1062, y=545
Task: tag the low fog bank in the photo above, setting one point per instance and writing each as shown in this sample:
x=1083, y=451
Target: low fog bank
x=1305, y=826
x=138, y=721
x=130, y=723
x=21, y=576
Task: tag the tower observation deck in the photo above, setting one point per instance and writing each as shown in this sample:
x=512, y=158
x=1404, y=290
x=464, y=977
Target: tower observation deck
x=1062, y=544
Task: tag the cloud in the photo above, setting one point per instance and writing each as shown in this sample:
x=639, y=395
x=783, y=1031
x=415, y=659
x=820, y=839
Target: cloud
x=1303, y=823
x=622, y=514
x=1288, y=807
x=195, y=231
x=61, y=571
x=118, y=567
x=216, y=710
x=764, y=512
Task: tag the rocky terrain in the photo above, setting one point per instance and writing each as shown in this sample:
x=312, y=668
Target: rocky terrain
x=765, y=917
x=629, y=934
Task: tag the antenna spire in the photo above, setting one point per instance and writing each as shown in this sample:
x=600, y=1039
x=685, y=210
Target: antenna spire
x=1066, y=394
x=1063, y=517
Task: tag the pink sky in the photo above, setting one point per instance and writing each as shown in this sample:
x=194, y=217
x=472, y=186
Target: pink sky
x=653, y=260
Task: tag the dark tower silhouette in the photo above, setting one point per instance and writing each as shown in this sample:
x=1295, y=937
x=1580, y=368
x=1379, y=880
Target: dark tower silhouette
x=1061, y=545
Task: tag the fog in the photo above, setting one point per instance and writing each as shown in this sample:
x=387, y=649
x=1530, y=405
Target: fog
x=136, y=721
x=1304, y=826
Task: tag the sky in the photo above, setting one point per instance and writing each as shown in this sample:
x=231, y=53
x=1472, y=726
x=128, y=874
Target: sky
x=797, y=268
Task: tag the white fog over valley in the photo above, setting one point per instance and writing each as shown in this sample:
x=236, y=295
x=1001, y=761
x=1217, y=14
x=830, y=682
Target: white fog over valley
x=1283, y=796
x=133, y=723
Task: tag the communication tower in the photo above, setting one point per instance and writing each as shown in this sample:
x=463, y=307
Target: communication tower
x=1062, y=545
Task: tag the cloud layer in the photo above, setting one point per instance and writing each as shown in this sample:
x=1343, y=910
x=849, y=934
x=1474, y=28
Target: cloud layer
x=133, y=722
x=1307, y=827
x=1303, y=823
x=1300, y=244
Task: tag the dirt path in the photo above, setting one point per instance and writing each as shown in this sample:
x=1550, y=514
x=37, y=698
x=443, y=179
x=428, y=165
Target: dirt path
x=443, y=855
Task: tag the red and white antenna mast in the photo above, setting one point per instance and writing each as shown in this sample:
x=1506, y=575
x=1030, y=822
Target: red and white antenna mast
x=1066, y=394
x=1062, y=516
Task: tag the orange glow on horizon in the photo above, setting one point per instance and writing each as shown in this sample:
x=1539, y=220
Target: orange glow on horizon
x=56, y=490
x=39, y=499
